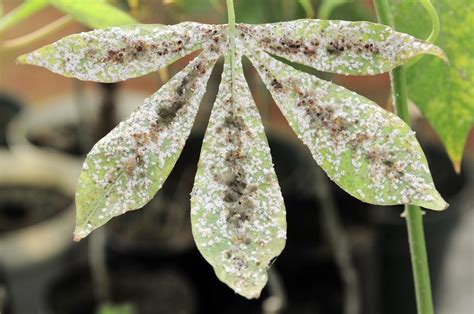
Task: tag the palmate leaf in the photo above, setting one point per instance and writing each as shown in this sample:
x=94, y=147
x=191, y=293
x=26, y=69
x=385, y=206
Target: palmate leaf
x=238, y=216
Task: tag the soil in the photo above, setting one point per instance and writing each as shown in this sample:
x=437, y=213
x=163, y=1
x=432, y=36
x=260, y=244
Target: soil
x=23, y=206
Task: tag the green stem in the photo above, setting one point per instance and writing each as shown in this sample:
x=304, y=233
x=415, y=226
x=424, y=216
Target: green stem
x=327, y=7
x=308, y=8
x=434, y=20
x=434, y=30
x=413, y=214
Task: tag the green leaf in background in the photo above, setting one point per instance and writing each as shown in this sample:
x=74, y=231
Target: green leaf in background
x=327, y=6
x=21, y=12
x=444, y=93
x=127, y=308
x=94, y=13
x=307, y=7
x=238, y=215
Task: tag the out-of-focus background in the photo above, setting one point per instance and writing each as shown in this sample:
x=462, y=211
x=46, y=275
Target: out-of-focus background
x=341, y=254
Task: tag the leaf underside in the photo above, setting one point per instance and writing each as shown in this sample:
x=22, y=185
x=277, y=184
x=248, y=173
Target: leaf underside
x=119, y=53
x=126, y=168
x=369, y=152
x=238, y=215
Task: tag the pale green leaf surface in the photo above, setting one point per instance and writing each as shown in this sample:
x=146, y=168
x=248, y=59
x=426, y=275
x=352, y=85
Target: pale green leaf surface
x=238, y=214
x=444, y=93
x=94, y=13
x=369, y=152
x=338, y=46
x=118, y=53
x=125, y=169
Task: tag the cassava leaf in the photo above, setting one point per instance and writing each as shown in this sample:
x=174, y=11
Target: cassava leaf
x=338, y=46
x=118, y=53
x=94, y=13
x=369, y=152
x=238, y=214
x=125, y=169
x=444, y=93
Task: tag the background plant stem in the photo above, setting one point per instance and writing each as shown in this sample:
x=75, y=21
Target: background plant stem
x=413, y=214
x=340, y=245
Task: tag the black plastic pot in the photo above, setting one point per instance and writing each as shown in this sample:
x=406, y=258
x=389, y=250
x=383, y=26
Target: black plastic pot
x=149, y=291
x=396, y=278
x=9, y=107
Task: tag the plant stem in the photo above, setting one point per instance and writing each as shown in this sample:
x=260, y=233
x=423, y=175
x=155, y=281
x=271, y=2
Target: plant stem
x=434, y=20
x=308, y=8
x=434, y=30
x=413, y=214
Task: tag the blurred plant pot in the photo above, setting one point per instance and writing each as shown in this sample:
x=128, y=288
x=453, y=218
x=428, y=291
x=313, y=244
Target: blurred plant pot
x=53, y=129
x=9, y=107
x=151, y=291
x=36, y=210
x=396, y=279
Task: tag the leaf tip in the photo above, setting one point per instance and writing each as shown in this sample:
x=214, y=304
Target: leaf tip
x=440, y=53
x=76, y=238
x=444, y=56
x=457, y=166
x=80, y=233
x=250, y=294
x=439, y=204
x=23, y=59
